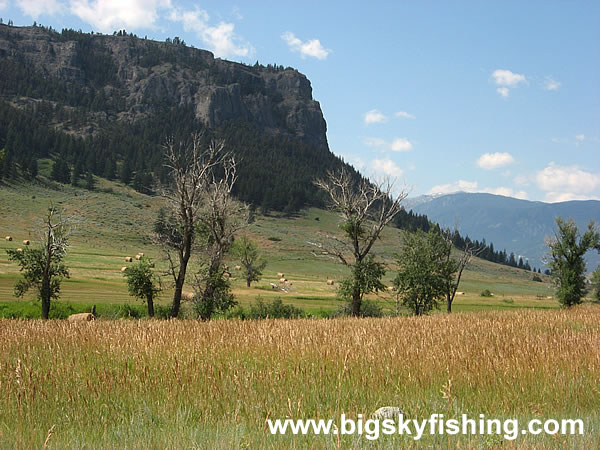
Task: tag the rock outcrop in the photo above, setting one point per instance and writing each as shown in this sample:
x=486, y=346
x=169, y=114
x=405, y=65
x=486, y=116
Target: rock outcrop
x=144, y=73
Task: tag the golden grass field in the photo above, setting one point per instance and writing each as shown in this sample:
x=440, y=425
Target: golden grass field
x=186, y=384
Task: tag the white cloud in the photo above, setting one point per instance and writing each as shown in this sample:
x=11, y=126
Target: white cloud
x=555, y=197
x=489, y=161
x=506, y=192
x=405, y=115
x=459, y=186
x=551, y=85
x=563, y=183
x=35, y=8
x=397, y=145
x=472, y=186
x=376, y=142
x=3, y=4
x=503, y=91
x=220, y=39
x=312, y=48
x=507, y=79
x=110, y=15
x=401, y=145
x=580, y=137
x=387, y=167
x=374, y=116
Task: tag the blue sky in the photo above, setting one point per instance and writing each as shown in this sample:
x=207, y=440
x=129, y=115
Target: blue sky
x=489, y=96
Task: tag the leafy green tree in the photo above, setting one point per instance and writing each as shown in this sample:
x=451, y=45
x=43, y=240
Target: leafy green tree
x=596, y=284
x=424, y=268
x=365, y=279
x=143, y=282
x=250, y=259
x=90, y=182
x=567, y=250
x=43, y=268
x=365, y=208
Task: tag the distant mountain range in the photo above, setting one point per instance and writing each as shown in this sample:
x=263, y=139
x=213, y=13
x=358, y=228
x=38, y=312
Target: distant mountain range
x=518, y=226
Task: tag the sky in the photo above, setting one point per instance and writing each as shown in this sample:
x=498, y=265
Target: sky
x=476, y=96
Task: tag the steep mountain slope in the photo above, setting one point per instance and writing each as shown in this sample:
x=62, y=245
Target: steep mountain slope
x=118, y=97
x=519, y=226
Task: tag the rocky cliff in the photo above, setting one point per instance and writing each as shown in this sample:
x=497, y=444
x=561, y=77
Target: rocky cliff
x=142, y=74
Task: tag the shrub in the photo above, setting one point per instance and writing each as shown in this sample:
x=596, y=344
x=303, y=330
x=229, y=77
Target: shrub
x=486, y=293
x=537, y=278
x=274, y=310
x=368, y=308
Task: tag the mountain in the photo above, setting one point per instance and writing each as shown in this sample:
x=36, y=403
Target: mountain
x=106, y=103
x=518, y=226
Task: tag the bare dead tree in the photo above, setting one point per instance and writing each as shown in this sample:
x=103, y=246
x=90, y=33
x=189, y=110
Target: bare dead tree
x=221, y=217
x=454, y=267
x=192, y=168
x=365, y=208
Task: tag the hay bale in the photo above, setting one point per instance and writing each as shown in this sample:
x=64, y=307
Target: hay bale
x=282, y=280
x=81, y=317
x=19, y=249
x=460, y=293
x=26, y=242
x=8, y=238
x=128, y=259
x=387, y=412
x=390, y=288
x=330, y=282
x=280, y=274
x=138, y=257
x=238, y=267
x=187, y=296
x=123, y=269
x=141, y=254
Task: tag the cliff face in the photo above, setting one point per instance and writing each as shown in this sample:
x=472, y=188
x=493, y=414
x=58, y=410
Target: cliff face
x=143, y=73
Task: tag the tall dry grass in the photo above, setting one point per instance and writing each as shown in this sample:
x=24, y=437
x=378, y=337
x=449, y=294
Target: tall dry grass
x=182, y=384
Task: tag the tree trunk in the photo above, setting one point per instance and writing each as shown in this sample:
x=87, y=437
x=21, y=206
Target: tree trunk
x=449, y=304
x=248, y=282
x=150, y=302
x=178, y=290
x=184, y=257
x=45, y=307
x=356, y=301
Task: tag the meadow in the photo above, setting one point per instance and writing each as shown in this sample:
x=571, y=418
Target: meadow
x=186, y=384
x=115, y=221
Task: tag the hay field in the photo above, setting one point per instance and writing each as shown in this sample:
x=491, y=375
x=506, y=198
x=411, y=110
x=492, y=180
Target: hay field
x=185, y=384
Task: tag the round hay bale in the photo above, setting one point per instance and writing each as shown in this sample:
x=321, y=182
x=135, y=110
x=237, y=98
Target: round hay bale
x=128, y=259
x=141, y=254
x=187, y=296
x=26, y=242
x=123, y=269
x=282, y=280
x=387, y=412
x=280, y=274
x=19, y=249
x=8, y=238
x=138, y=257
x=330, y=282
x=81, y=317
x=238, y=267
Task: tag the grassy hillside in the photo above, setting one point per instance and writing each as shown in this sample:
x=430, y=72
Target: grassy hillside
x=114, y=221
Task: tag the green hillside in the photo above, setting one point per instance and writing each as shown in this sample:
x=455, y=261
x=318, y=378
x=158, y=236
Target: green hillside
x=114, y=221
